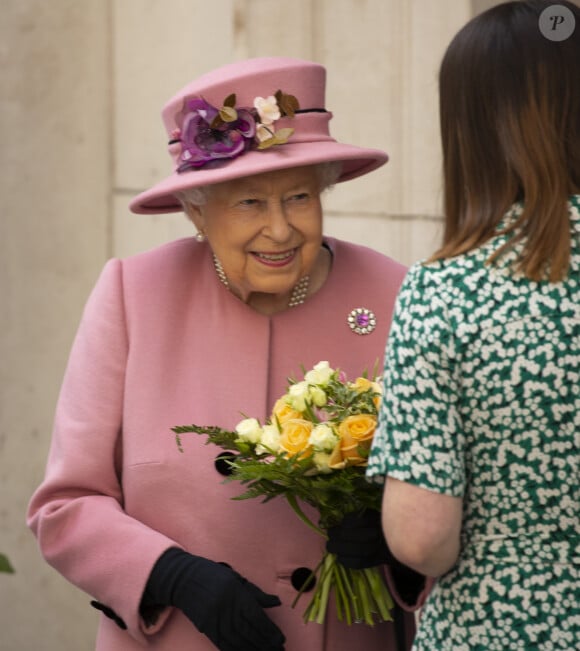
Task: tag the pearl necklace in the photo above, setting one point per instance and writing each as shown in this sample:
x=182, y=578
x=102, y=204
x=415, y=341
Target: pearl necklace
x=299, y=291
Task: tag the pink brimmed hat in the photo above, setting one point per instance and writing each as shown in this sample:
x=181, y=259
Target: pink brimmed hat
x=247, y=118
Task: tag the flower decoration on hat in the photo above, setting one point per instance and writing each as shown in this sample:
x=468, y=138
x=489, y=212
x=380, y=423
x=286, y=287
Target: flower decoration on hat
x=209, y=134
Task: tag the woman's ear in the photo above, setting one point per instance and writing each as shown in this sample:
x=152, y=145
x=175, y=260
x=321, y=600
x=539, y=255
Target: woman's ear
x=195, y=215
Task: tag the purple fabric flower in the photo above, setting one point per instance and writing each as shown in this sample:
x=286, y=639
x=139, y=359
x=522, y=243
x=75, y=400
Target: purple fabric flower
x=205, y=137
x=208, y=135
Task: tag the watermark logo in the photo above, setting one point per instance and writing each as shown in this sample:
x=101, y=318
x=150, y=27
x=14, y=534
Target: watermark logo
x=557, y=23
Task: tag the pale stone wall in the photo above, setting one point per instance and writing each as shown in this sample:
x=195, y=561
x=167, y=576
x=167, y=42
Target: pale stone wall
x=382, y=58
x=82, y=84
x=55, y=187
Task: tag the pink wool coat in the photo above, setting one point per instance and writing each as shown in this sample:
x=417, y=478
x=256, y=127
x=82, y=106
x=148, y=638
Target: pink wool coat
x=163, y=343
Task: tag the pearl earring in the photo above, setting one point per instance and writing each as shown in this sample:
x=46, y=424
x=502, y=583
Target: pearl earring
x=200, y=236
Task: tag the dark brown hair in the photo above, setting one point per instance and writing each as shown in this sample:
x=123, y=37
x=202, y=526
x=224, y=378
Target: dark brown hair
x=510, y=129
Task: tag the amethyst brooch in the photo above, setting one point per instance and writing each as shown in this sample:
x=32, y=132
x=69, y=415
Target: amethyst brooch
x=362, y=321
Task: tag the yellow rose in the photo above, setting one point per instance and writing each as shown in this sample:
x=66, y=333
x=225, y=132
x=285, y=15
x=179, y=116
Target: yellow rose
x=363, y=384
x=295, y=436
x=282, y=411
x=355, y=432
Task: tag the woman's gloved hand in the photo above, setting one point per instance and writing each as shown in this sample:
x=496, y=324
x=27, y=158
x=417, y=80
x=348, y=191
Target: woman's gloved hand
x=358, y=540
x=218, y=601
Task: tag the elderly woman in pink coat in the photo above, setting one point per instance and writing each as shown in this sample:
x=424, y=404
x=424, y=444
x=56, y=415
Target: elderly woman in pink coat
x=200, y=330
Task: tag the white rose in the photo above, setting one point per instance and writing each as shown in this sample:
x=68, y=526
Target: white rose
x=299, y=395
x=323, y=438
x=249, y=430
x=320, y=374
x=318, y=396
x=267, y=108
x=270, y=442
x=321, y=461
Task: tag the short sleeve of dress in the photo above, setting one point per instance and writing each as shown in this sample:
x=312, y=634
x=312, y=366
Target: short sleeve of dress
x=419, y=437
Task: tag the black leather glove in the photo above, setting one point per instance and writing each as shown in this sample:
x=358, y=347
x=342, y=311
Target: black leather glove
x=409, y=583
x=218, y=601
x=358, y=542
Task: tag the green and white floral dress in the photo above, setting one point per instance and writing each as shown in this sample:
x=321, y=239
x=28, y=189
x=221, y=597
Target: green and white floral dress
x=482, y=401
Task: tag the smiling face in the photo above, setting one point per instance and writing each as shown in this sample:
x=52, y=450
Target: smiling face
x=266, y=230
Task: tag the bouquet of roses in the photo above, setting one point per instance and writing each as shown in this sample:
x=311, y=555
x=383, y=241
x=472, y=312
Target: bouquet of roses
x=314, y=449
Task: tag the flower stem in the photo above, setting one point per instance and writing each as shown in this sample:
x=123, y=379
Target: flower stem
x=329, y=561
x=300, y=513
x=381, y=596
x=342, y=599
x=363, y=592
x=349, y=577
x=307, y=583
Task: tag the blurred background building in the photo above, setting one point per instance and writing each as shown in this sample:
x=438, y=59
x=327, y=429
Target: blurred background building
x=82, y=83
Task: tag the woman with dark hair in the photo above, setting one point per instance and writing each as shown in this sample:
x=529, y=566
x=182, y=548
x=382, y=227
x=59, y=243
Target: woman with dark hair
x=479, y=433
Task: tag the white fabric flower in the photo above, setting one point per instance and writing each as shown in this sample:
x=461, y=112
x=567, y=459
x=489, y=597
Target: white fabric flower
x=323, y=438
x=249, y=430
x=320, y=374
x=267, y=108
x=264, y=132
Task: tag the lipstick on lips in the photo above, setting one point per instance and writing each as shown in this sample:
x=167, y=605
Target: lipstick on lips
x=280, y=259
